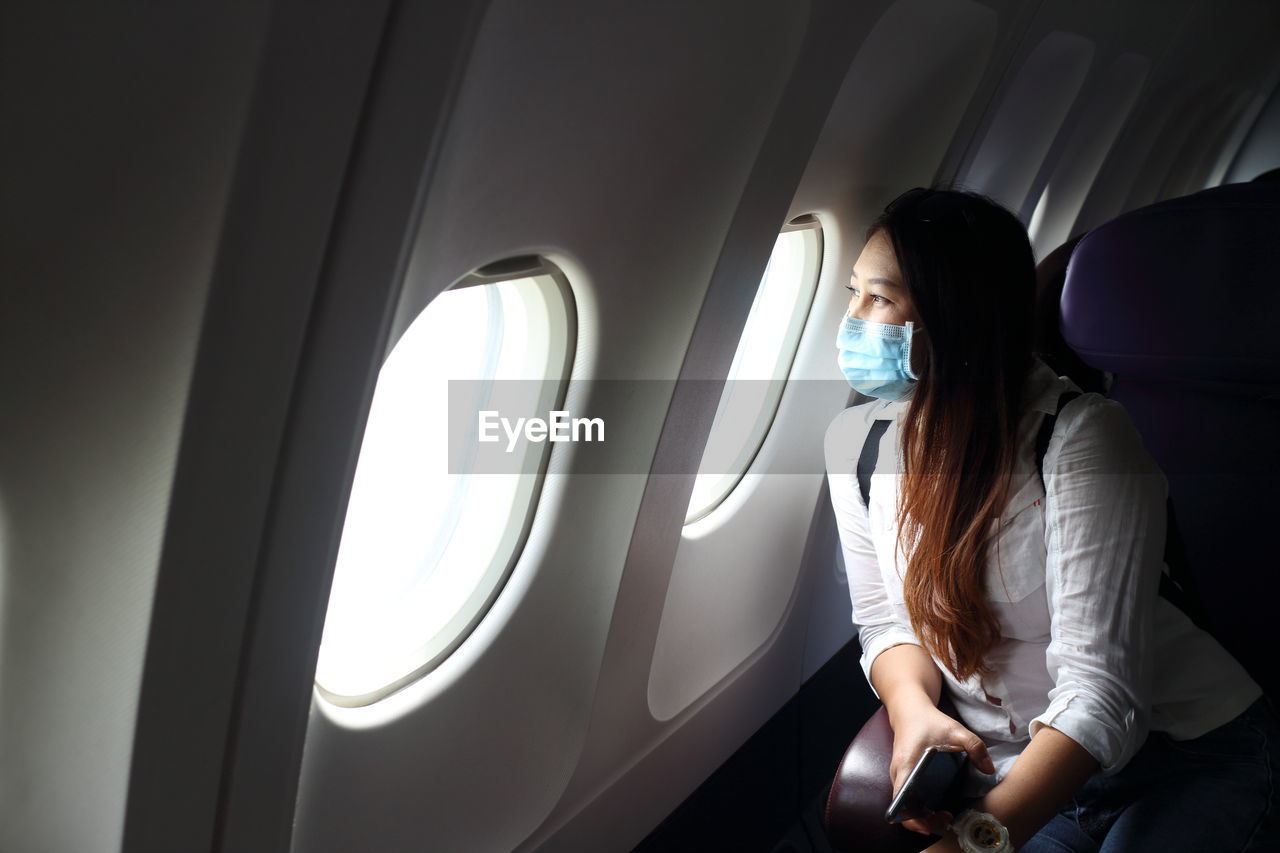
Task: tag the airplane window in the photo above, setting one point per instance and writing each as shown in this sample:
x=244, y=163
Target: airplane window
x=760, y=366
x=1244, y=122
x=427, y=542
x=1035, y=227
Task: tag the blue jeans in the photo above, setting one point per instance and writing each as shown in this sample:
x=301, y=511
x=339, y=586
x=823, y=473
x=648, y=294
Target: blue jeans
x=1218, y=793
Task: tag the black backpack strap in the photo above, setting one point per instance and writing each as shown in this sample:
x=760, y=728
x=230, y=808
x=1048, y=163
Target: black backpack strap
x=868, y=457
x=1176, y=584
x=1046, y=430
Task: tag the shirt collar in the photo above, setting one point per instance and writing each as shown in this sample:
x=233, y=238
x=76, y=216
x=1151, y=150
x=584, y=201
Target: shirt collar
x=1043, y=388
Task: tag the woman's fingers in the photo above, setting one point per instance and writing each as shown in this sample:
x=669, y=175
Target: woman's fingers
x=977, y=751
x=916, y=824
x=939, y=821
x=911, y=738
x=932, y=823
x=899, y=771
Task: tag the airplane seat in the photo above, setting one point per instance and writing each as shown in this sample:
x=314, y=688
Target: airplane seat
x=1051, y=275
x=860, y=793
x=1179, y=300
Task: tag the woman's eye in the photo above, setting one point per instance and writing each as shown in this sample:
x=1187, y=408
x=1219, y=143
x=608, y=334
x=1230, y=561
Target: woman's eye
x=875, y=297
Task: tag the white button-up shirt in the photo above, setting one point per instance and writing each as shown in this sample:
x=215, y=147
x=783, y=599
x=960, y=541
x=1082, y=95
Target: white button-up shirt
x=1086, y=644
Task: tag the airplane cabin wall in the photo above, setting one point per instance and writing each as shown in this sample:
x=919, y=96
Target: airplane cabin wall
x=1258, y=150
x=1213, y=57
x=122, y=124
x=219, y=221
x=339, y=137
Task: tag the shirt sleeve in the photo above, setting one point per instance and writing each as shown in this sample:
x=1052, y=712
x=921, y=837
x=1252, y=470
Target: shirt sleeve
x=879, y=627
x=1105, y=541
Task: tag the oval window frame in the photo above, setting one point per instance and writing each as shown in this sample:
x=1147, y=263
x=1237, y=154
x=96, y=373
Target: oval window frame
x=745, y=456
x=559, y=304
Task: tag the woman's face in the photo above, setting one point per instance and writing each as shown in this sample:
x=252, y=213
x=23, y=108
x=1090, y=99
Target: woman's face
x=878, y=293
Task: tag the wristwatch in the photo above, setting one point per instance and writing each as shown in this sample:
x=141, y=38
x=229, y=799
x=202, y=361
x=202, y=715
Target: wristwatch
x=979, y=832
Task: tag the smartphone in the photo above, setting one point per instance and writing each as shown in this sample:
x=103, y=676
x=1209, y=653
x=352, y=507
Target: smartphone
x=927, y=784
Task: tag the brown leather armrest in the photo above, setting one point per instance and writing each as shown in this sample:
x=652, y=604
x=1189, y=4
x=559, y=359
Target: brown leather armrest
x=860, y=794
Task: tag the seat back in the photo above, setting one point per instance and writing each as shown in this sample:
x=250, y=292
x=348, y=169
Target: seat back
x=1051, y=277
x=1181, y=301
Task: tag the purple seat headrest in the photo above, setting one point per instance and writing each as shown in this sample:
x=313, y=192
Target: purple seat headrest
x=1187, y=288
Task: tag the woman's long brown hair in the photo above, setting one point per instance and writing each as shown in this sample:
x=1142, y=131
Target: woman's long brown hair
x=969, y=269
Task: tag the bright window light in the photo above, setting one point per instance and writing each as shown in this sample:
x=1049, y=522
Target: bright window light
x=424, y=551
x=760, y=366
x=1037, y=218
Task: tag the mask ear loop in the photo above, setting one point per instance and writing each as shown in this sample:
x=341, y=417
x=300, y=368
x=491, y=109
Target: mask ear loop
x=906, y=351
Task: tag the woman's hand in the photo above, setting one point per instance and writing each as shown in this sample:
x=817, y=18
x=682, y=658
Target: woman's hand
x=920, y=726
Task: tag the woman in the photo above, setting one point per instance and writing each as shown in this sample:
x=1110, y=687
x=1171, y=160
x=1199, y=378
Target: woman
x=1096, y=716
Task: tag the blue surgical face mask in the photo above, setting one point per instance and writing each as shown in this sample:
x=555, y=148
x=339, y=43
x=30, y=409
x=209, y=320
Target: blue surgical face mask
x=876, y=357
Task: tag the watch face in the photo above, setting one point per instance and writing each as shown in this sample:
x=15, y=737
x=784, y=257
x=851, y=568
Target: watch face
x=986, y=835
x=978, y=831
